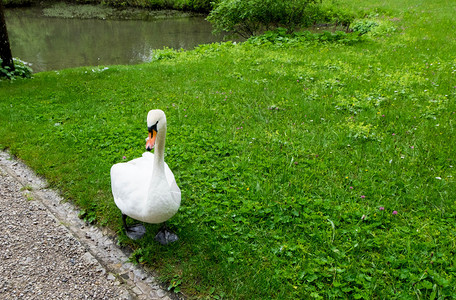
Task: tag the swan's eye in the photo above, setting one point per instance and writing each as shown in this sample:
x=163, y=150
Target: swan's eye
x=153, y=128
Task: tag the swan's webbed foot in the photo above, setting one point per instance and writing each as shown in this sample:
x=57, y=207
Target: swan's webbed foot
x=134, y=232
x=166, y=236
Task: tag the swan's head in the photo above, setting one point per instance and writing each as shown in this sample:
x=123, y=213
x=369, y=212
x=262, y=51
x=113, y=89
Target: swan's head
x=156, y=122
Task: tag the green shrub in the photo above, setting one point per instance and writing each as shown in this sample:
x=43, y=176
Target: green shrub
x=191, y=5
x=335, y=15
x=250, y=17
x=12, y=3
x=198, y=5
x=21, y=70
x=364, y=26
x=279, y=38
x=165, y=53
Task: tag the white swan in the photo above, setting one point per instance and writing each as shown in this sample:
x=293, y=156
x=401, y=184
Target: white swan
x=144, y=188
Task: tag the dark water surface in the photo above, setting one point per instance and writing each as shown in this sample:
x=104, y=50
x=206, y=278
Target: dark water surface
x=57, y=43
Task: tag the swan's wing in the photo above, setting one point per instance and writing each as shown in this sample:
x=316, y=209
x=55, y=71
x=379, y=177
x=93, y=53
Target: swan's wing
x=173, y=188
x=146, y=160
x=129, y=182
x=170, y=177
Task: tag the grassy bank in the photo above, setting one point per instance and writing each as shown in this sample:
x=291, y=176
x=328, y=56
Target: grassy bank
x=307, y=169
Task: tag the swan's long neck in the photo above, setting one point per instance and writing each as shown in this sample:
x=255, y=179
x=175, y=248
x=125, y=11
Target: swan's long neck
x=159, y=154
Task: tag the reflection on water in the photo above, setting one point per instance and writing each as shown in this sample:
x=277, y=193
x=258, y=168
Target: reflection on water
x=54, y=43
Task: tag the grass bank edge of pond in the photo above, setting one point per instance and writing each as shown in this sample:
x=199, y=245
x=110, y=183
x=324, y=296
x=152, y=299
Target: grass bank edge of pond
x=100, y=11
x=104, y=12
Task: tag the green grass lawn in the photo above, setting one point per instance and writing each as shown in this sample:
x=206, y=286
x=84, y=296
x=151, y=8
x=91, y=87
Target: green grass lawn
x=291, y=157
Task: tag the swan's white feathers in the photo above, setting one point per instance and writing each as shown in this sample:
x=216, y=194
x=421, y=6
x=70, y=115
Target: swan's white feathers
x=141, y=197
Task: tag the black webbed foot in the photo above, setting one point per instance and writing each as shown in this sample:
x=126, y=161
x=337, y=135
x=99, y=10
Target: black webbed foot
x=134, y=232
x=165, y=236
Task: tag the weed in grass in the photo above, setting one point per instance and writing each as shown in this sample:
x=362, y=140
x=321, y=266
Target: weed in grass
x=27, y=188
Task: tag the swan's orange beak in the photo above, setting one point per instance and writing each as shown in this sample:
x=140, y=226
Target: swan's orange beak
x=151, y=140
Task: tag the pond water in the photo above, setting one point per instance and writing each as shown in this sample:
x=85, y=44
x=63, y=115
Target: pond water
x=58, y=43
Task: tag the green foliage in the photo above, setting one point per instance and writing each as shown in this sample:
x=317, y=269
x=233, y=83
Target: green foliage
x=202, y=6
x=165, y=53
x=70, y=11
x=198, y=5
x=364, y=26
x=336, y=15
x=280, y=38
x=250, y=17
x=373, y=27
x=89, y=215
x=13, y=3
x=21, y=70
x=175, y=284
x=192, y=5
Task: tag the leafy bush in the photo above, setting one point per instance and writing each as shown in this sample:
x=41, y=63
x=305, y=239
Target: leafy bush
x=280, y=38
x=364, y=26
x=250, y=17
x=12, y=3
x=198, y=5
x=335, y=16
x=21, y=70
x=192, y=5
x=165, y=53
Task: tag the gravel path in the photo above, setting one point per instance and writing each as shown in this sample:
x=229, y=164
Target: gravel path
x=40, y=258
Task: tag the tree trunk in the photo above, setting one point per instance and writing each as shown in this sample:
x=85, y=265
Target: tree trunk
x=5, y=50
